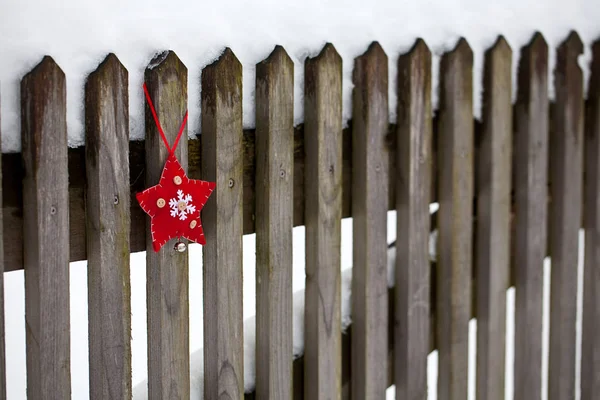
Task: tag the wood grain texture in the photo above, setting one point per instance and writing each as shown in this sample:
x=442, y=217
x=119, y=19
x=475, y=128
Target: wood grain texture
x=369, y=219
x=274, y=223
x=566, y=174
x=166, y=270
x=2, y=333
x=323, y=202
x=107, y=208
x=566, y=170
x=590, y=345
x=413, y=272
x=493, y=188
x=455, y=188
x=530, y=160
x=46, y=227
x=222, y=162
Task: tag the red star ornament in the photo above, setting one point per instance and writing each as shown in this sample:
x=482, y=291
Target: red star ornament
x=174, y=205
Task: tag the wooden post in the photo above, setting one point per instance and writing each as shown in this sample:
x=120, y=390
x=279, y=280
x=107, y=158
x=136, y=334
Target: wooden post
x=369, y=213
x=274, y=223
x=2, y=338
x=323, y=215
x=455, y=246
x=222, y=162
x=46, y=227
x=566, y=175
x=413, y=194
x=530, y=160
x=107, y=221
x=493, y=190
x=166, y=270
x=590, y=346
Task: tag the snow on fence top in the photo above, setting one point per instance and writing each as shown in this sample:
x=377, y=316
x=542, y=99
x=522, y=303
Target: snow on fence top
x=79, y=34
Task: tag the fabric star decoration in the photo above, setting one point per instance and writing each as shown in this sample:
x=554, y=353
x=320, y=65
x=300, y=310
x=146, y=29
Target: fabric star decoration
x=174, y=205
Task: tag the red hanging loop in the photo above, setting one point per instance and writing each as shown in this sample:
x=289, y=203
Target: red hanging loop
x=162, y=134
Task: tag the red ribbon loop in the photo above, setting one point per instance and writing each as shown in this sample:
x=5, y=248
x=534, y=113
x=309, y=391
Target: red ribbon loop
x=162, y=134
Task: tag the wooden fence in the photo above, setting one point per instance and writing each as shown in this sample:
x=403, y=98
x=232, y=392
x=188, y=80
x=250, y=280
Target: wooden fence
x=491, y=179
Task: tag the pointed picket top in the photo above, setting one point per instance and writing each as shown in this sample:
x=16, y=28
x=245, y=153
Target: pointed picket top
x=462, y=53
x=419, y=48
x=499, y=56
x=110, y=65
x=537, y=43
x=327, y=53
x=277, y=60
x=165, y=60
x=500, y=47
x=463, y=48
x=227, y=60
x=571, y=46
x=375, y=51
x=222, y=78
x=45, y=68
x=594, y=86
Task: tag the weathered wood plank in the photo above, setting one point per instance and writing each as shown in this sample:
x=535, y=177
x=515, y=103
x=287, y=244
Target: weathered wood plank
x=274, y=223
x=323, y=213
x=107, y=208
x=590, y=346
x=166, y=270
x=46, y=227
x=413, y=272
x=2, y=339
x=369, y=212
x=566, y=170
x=530, y=159
x=222, y=162
x=455, y=188
x=493, y=187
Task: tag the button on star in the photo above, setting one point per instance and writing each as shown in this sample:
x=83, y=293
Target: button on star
x=174, y=205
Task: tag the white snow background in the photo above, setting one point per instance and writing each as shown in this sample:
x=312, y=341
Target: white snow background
x=78, y=34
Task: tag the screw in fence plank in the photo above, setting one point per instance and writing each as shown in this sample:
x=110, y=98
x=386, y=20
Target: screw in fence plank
x=493, y=187
x=2, y=338
x=108, y=227
x=566, y=175
x=323, y=214
x=530, y=160
x=455, y=182
x=46, y=227
x=167, y=270
x=222, y=162
x=274, y=223
x=590, y=346
x=413, y=191
x=369, y=216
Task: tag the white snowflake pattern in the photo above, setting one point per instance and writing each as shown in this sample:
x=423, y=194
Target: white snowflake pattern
x=181, y=206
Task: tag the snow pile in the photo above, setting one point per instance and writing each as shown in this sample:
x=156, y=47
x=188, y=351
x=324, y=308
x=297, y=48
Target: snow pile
x=78, y=34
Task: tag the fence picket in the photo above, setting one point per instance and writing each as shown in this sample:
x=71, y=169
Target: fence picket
x=46, y=227
x=455, y=182
x=274, y=223
x=493, y=187
x=566, y=175
x=530, y=160
x=222, y=162
x=369, y=216
x=2, y=337
x=590, y=353
x=323, y=214
x=108, y=226
x=166, y=270
x=413, y=186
